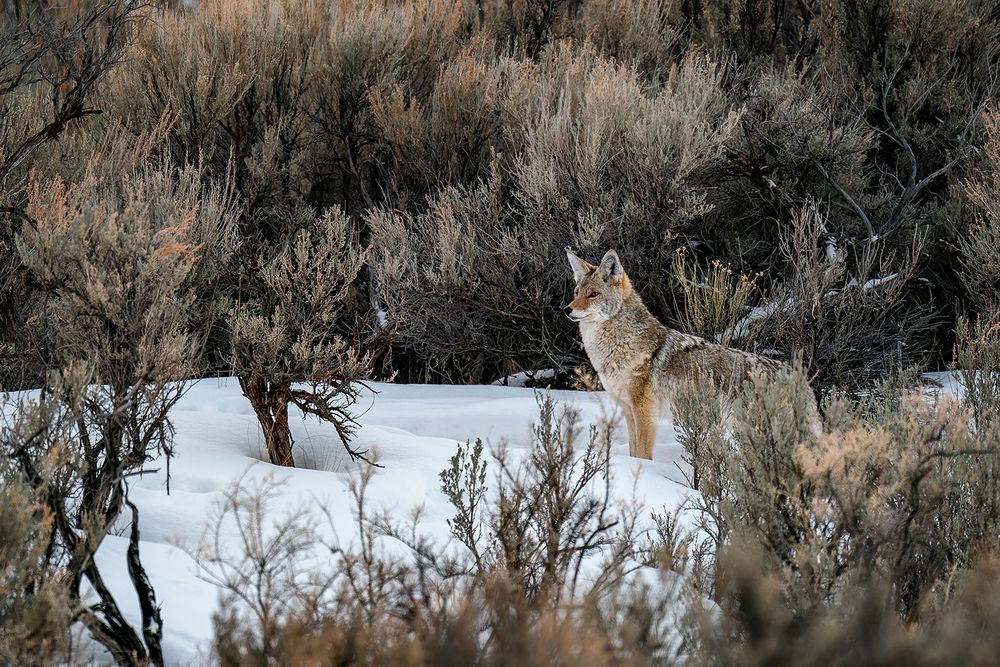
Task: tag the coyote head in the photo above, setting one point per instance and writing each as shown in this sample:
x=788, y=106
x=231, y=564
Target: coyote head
x=600, y=290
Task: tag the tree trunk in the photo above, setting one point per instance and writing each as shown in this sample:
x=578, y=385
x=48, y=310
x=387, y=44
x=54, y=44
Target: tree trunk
x=152, y=622
x=279, y=445
x=270, y=403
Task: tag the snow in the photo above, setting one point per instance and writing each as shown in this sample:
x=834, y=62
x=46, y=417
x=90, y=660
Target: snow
x=869, y=284
x=945, y=383
x=758, y=313
x=755, y=314
x=414, y=429
x=524, y=378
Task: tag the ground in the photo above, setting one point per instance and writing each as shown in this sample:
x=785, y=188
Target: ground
x=414, y=428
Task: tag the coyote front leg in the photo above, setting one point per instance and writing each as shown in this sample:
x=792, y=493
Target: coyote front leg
x=646, y=435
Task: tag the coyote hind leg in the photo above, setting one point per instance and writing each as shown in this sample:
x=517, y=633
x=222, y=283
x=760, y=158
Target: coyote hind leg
x=630, y=424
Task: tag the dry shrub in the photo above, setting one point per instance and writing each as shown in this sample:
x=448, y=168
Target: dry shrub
x=787, y=146
x=462, y=327
x=24, y=352
x=116, y=254
x=980, y=246
x=125, y=262
x=273, y=98
x=550, y=511
x=289, y=330
x=475, y=282
x=53, y=60
x=272, y=582
x=903, y=493
x=700, y=413
x=517, y=636
x=758, y=628
x=639, y=125
x=614, y=162
x=838, y=116
x=645, y=33
x=853, y=546
x=221, y=75
x=851, y=326
x=527, y=28
x=918, y=493
x=451, y=138
x=711, y=302
x=73, y=449
x=236, y=73
x=35, y=606
x=977, y=360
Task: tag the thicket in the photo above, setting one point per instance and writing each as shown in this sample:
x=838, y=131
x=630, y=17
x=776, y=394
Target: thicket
x=305, y=196
x=839, y=156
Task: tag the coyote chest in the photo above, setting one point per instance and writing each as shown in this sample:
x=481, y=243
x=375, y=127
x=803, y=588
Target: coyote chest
x=620, y=359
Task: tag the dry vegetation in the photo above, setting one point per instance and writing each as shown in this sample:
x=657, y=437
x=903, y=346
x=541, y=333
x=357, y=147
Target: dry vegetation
x=841, y=157
x=872, y=543
x=307, y=196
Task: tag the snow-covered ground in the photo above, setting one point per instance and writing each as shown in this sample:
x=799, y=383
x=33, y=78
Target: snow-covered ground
x=415, y=430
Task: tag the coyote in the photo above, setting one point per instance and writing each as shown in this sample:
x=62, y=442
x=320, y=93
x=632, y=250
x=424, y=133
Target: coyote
x=640, y=361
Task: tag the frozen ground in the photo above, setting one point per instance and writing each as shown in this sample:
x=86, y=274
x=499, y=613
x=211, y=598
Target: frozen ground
x=414, y=428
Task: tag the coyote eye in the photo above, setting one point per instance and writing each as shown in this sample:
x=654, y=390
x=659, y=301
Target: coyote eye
x=593, y=295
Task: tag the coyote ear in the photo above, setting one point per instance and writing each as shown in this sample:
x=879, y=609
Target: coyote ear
x=580, y=267
x=611, y=267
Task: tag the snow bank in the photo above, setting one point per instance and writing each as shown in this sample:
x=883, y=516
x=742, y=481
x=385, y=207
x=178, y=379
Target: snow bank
x=414, y=428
